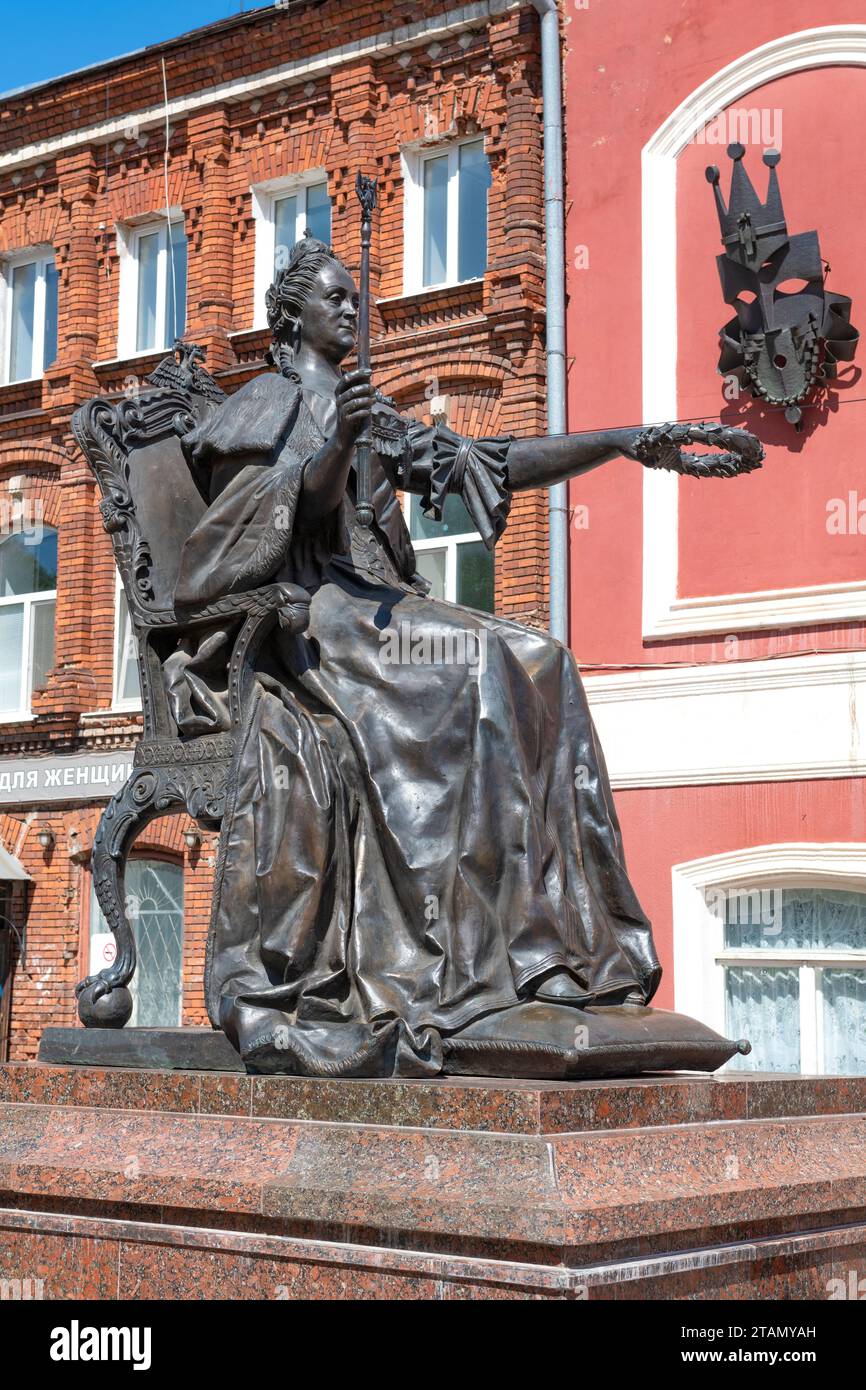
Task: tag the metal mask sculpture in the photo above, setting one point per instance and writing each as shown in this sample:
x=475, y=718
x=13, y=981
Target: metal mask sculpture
x=784, y=342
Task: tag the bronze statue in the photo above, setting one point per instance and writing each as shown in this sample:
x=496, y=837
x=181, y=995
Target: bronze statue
x=421, y=868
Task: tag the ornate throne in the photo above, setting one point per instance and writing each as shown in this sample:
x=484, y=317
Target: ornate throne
x=151, y=501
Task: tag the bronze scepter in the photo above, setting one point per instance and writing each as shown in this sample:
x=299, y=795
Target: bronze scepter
x=366, y=191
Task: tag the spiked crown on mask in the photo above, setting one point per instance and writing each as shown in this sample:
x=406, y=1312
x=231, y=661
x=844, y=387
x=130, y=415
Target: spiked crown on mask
x=288, y=294
x=781, y=345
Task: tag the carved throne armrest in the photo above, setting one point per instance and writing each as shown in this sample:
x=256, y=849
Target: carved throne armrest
x=194, y=773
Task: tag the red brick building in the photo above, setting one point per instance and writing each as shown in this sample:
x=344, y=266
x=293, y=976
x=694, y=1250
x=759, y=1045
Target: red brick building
x=123, y=219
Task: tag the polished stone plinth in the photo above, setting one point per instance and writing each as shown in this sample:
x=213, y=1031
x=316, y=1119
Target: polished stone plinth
x=154, y=1049
x=176, y=1185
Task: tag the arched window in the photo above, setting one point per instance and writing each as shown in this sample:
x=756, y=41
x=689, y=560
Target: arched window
x=154, y=903
x=28, y=594
x=794, y=961
x=770, y=944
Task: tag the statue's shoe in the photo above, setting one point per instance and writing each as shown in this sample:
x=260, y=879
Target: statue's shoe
x=558, y=987
x=550, y=1041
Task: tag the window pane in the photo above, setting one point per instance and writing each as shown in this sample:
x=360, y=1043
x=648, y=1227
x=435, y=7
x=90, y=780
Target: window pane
x=23, y=301
x=844, y=1004
x=844, y=1011
x=43, y=642
x=431, y=564
x=11, y=641
x=285, y=230
x=175, y=290
x=475, y=576
x=472, y=217
x=318, y=217
x=456, y=521
x=795, y=919
x=436, y=220
x=148, y=263
x=128, y=687
x=839, y=918
x=28, y=568
x=763, y=1005
x=49, y=346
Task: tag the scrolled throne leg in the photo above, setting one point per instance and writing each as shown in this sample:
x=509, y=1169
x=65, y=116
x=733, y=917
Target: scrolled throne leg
x=104, y=1001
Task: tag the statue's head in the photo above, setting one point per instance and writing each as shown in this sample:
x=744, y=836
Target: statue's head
x=313, y=301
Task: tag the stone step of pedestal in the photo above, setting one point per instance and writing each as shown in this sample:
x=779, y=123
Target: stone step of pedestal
x=559, y=1191
x=461, y=1103
x=183, y=1200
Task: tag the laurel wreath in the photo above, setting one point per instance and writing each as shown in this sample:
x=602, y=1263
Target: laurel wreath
x=661, y=446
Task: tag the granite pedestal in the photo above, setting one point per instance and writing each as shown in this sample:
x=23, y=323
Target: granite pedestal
x=176, y=1184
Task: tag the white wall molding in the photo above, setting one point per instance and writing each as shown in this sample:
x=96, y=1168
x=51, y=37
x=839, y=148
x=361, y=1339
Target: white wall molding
x=665, y=614
x=422, y=31
x=791, y=719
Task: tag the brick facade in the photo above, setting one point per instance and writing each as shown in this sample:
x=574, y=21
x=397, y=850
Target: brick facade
x=256, y=97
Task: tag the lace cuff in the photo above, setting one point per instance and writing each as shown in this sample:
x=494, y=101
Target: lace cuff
x=475, y=470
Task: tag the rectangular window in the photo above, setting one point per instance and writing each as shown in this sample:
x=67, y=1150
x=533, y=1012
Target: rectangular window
x=284, y=211
x=30, y=311
x=451, y=555
x=306, y=209
x=153, y=287
x=28, y=598
x=446, y=215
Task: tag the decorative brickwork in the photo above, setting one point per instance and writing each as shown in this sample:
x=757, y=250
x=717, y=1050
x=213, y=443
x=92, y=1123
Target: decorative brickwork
x=479, y=344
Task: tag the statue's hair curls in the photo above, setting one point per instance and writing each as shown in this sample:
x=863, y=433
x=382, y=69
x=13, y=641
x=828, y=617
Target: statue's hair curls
x=289, y=293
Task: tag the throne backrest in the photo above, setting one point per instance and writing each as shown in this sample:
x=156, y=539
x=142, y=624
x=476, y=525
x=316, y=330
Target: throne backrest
x=151, y=500
x=167, y=506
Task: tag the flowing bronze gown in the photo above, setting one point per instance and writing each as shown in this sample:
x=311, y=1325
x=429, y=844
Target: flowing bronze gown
x=408, y=847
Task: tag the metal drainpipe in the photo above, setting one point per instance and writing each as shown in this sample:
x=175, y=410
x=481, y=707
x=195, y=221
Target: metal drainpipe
x=554, y=223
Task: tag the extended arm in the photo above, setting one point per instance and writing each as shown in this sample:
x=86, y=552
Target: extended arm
x=541, y=462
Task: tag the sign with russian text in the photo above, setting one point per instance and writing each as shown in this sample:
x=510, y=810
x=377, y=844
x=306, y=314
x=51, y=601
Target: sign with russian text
x=76, y=777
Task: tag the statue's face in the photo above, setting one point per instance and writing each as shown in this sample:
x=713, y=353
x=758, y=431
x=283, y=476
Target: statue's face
x=329, y=320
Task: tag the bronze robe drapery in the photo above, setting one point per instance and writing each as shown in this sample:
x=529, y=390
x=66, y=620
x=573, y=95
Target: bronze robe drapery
x=408, y=844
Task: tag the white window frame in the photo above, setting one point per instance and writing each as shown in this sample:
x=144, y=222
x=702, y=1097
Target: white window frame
x=128, y=239
x=117, y=700
x=28, y=633
x=264, y=196
x=700, y=956
x=413, y=160
x=42, y=257
x=450, y=544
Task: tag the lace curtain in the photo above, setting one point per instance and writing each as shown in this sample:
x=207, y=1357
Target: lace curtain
x=763, y=1001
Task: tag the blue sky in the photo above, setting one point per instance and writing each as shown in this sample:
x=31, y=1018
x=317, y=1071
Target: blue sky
x=46, y=38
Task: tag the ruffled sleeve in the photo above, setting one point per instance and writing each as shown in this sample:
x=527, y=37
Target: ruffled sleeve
x=438, y=462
